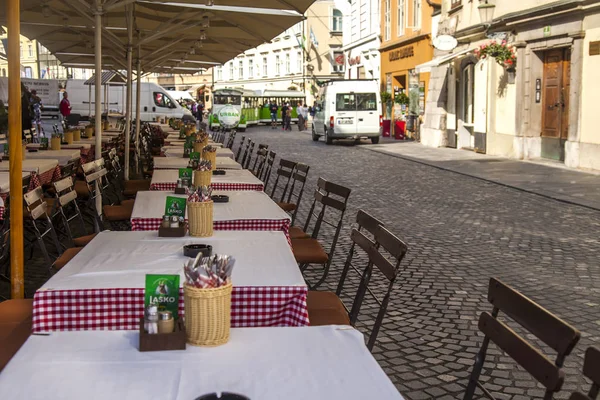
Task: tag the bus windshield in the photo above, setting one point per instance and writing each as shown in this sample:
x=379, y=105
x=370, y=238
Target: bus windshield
x=236, y=100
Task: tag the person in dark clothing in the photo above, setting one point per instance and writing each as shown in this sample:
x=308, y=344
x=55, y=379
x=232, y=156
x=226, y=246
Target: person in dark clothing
x=26, y=111
x=273, y=110
x=287, y=111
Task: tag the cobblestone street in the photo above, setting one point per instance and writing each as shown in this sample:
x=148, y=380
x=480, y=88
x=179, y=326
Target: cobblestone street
x=461, y=231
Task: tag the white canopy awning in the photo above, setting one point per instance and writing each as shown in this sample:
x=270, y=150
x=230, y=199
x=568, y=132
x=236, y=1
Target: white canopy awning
x=426, y=67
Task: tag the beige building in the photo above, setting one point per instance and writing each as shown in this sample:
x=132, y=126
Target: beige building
x=198, y=85
x=545, y=108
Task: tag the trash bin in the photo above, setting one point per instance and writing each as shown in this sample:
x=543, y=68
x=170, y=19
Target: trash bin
x=399, y=130
x=411, y=122
x=386, y=128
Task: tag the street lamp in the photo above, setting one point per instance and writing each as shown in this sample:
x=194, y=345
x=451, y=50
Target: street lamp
x=486, y=12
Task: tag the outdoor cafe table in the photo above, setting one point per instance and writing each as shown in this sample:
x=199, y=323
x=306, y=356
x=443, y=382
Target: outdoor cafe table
x=180, y=162
x=179, y=143
x=293, y=363
x=63, y=146
x=245, y=211
x=166, y=179
x=43, y=171
x=63, y=156
x=5, y=189
x=178, y=152
x=103, y=286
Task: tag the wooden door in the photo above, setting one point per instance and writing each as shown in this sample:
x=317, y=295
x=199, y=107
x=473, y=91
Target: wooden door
x=555, y=103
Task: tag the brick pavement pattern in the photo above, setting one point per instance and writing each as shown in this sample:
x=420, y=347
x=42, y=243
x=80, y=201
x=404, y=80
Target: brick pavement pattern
x=461, y=231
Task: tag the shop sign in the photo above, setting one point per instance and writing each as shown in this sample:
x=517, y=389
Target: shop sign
x=354, y=60
x=445, y=42
x=339, y=59
x=399, y=54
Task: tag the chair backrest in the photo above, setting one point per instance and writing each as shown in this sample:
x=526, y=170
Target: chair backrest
x=66, y=200
x=259, y=162
x=283, y=176
x=591, y=369
x=26, y=182
x=299, y=178
x=266, y=175
x=248, y=155
x=396, y=249
x=231, y=140
x=539, y=322
x=240, y=149
x=36, y=205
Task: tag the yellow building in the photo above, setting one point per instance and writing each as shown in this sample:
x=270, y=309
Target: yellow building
x=29, y=57
x=406, y=34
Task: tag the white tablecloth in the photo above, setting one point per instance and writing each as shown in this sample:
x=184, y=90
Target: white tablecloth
x=63, y=156
x=176, y=163
x=122, y=259
x=172, y=151
x=242, y=205
x=92, y=140
x=325, y=362
x=38, y=166
x=243, y=176
x=5, y=181
x=63, y=146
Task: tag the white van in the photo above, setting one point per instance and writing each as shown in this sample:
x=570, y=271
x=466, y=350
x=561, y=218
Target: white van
x=154, y=101
x=348, y=109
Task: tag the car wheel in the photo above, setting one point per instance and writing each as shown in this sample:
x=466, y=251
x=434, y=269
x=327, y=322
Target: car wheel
x=315, y=137
x=328, y=140
x=375, y=139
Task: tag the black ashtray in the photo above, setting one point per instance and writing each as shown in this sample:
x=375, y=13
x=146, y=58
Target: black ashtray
x=180, y=190
x=192, y=250
x=220, y=198
x=219, y=172
x=32, y=150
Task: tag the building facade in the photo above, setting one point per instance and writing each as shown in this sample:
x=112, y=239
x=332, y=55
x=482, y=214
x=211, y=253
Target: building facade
x=297, y=60
x=541, y=106
x=361, y=40
x=406, y=34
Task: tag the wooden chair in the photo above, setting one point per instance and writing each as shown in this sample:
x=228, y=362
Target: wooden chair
x=263, y=150
x=246, y=161
x=539, y=322
x=326, y=308
x=291, y=202
x=332, y=199
x=591, y=369
x=259, y=162
x=283, y=176
x=66, y=201
x=240, y=149
x=266, y=174
x=231, y=140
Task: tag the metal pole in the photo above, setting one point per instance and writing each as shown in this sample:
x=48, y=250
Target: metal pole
x=129, y=77
x=98, y=91
x=17, y=283
x=138, y=91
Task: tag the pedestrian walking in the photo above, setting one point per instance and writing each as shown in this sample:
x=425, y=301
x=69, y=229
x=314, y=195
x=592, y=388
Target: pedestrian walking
x=26, y=111
x=65, y=108
x=302, y=117
x=273, y=109
x=200, y=111
x=37, y=107
x=288, y=117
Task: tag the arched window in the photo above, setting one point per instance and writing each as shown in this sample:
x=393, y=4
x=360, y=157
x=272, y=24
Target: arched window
x=336, y=20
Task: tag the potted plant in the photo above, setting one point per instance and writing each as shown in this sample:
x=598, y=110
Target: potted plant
x=55, y=141
x=386, y=103
x=502, y=53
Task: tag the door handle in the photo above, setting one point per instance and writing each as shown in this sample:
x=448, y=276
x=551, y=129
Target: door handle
x=153, y=109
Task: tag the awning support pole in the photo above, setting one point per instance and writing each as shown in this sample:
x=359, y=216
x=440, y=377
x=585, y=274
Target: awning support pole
x=138, y=91
x=17, y=282
x=98, y=92
x=129, y=78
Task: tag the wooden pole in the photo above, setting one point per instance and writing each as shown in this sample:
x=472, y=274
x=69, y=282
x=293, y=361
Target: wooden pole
x=17, y=283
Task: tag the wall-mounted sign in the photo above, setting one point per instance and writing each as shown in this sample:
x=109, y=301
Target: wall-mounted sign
x=547, y=31
x=354, y=60
x=594, y=48
x=339, y=59
x=404, y=52
x=445, y=42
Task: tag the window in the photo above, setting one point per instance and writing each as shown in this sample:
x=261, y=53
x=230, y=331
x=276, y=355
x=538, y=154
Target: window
x=401, y=16
x=287, y=64
x=235, y=100
x=28, y=72
x=455, y=3
x=250, y=68
x=468, y=75
x=231, y=71
x=241, y=69
x=356, y=102
x=277, y=65
x=387, y=20
x=30, y=51
x=336, y=20
x=264, y=66
x=162, y=100
x=416, y=14
x=338, y=61
x=3, y=71
x=219, y=73
x=299, y=63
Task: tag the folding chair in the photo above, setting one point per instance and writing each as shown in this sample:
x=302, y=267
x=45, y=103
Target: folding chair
x=66, y=197
x=259, y=162
x=284, y=175
x=539, y=322
x=231, y=139
x=266, y=175
x=291, y=202
x=591, y=369
x=332, y=199
x=240, y=149
x=247, y=155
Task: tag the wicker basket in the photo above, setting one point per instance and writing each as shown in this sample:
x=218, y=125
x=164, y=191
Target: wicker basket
x=200, y=218
x=202, y=178
x=55, y=143
x=198, y=146
x=77, y=135
x=207, y=315
x=212, y=157
x=68, y=137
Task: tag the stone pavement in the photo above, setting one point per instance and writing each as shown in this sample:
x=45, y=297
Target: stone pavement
x=461, y=231
x=546, y=178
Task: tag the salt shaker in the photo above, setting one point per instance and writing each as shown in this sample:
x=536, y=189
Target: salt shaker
x=179, y=184
x=151, y=319
x=166, y=221
x=174, y=221
x=166, y=323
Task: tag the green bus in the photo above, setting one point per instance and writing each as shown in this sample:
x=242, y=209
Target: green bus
x=280, y=97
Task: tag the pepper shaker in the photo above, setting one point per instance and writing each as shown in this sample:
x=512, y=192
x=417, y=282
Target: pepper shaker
x=166, y=323
x=174, y=221
x=166, y=221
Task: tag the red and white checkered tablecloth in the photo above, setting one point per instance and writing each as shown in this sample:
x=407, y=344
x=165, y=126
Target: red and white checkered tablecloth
x=121, y=309
x=2, y=209
x=152, y=224
x=52, y=175
x=170, y=186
